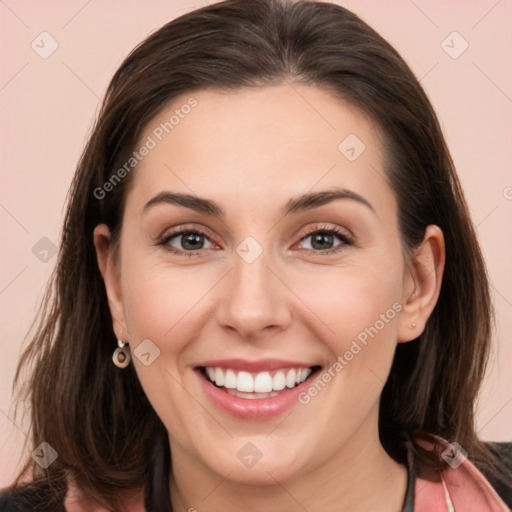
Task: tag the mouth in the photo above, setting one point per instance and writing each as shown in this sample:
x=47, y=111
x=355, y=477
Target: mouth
x=251, y=386
x=249, y=394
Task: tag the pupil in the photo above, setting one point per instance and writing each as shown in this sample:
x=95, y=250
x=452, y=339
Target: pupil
x=191, y=238
x=322, y=238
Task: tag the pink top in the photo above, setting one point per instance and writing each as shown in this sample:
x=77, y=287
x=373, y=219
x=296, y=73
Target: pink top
x=461, y=489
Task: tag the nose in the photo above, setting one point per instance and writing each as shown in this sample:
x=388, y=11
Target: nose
x=255, y=299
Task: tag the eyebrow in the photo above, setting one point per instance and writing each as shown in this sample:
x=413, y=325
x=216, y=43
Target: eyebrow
x=303, y=202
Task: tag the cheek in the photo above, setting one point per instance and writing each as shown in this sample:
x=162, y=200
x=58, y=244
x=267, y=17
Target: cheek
x=162, y=303
x=357, y=309
x=360, y=307
x=357, y=302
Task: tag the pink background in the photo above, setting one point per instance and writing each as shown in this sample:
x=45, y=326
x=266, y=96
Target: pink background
x=48, y=106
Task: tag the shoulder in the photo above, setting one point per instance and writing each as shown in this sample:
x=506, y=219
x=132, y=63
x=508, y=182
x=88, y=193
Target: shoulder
x=465, y=482
x=39, y=497
x=31, y=497
x=502, y=483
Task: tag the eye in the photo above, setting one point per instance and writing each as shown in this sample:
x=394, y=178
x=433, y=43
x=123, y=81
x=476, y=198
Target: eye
x=323, y=237
x=187, y=242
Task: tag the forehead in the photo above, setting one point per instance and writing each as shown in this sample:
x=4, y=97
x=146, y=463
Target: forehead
x=246, y=145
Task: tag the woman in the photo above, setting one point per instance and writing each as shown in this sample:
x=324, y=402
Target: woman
x=269, y=292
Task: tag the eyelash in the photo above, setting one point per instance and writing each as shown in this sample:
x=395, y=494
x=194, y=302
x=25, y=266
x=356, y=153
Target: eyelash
x=317, y=229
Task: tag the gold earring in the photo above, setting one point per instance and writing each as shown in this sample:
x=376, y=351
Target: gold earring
x=413, y=325
x=121, y=356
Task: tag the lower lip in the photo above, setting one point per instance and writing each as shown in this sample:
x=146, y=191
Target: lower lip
x=251, y=409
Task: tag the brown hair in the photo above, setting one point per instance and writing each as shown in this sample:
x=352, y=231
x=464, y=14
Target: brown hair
x=97, y=417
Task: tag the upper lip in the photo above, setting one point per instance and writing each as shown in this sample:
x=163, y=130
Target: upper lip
x=254, y=366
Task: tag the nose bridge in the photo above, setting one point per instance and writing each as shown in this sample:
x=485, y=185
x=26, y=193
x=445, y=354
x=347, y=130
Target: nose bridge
x=254, y=297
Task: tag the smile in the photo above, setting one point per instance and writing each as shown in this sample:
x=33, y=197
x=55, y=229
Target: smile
x=254, y=390
x=250, y=385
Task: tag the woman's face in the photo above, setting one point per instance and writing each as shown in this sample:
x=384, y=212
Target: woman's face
x=260, y=287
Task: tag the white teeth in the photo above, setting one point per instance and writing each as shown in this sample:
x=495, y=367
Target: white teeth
x=279, y=381
x=262, y=382
x=219, y=377
x=230, y=379
x=245, y=382
x=290, y=378
x=251, y=396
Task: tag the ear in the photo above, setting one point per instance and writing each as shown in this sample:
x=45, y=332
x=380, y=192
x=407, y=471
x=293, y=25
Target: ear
x=422, y=284
x=111, y=278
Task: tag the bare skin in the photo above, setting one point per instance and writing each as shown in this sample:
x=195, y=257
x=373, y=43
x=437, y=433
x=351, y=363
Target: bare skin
x=251, y=151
